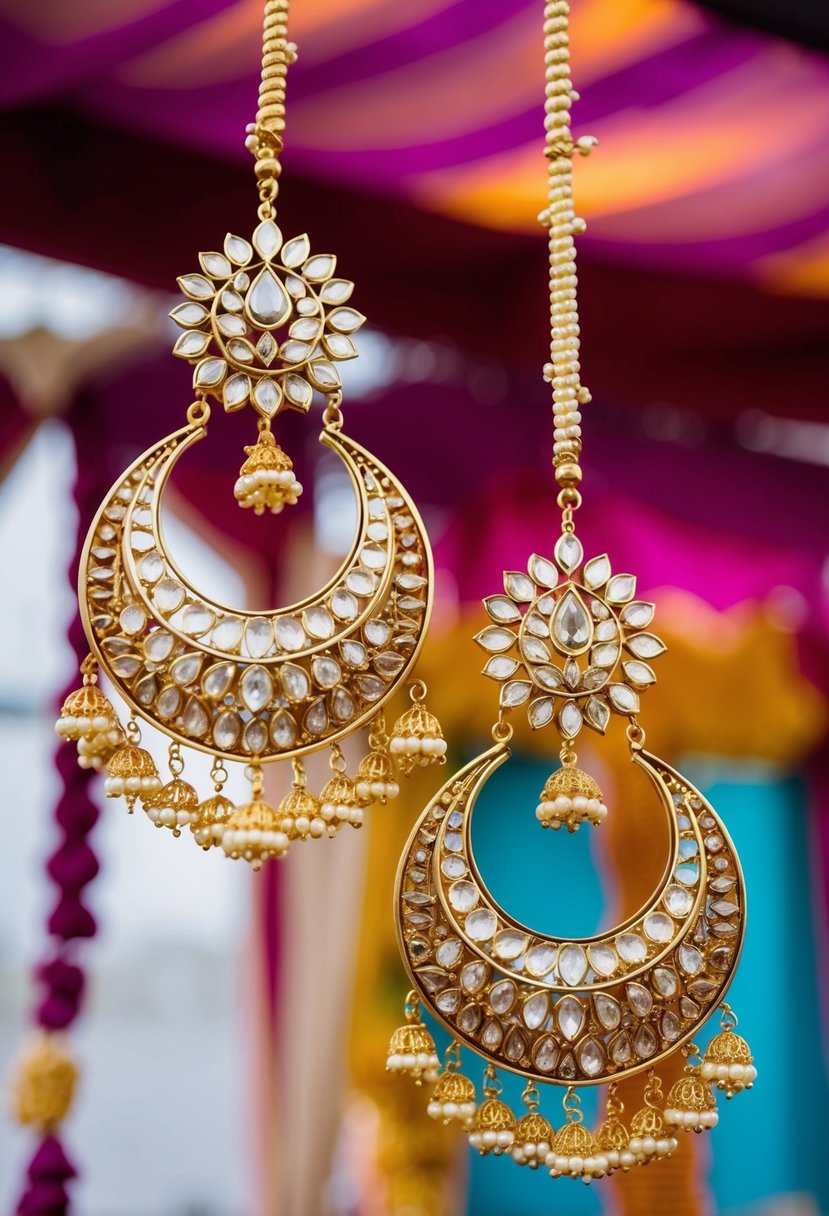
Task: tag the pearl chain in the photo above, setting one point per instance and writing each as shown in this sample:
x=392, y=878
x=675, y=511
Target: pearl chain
x=560, y=218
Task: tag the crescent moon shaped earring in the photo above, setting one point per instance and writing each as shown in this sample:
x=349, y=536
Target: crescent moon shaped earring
x=266, y=321
x=570, y=644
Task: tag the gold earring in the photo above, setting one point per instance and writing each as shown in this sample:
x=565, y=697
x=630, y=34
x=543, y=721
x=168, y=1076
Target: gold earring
x=266, y=321
x=570, y=644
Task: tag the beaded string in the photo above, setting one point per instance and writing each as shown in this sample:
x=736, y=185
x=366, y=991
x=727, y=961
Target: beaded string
x=559, y=217
x=265, y=137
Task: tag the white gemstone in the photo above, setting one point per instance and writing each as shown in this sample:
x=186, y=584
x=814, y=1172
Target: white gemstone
x=690, y=959
x=342, y=706
x=298, y=391
x=605, y=655
x=509, y=944
x=632, y=948
x=189, y=314
x=453, y=867
x=535, y=1010
x=638, y=673
x=256, y=688
x=541, y=711
x=344, y=605
x=209, y=372
x=548, y=676
x=185, y=669
x=543, y=571
x=237, y=250
x=133, y=619
x=678, y=901
x=241, y=351
x=295, y=352
x=463, y=896
x=319, y=267
x=623, y=698
x=268, y=239
x=377, y=632
x=326, y=671
x=337, y=291
x=606, y=631
x=570, y=1017
x=151, y=567
x=570, y=719
x=620, y=1048
x=168, y=702
x=289, y=633
x=196, y=285
x=295, y=251
x=354, y=653
x=338, y=346
x=258, y=637
x=236, y=391
x=515, y=692
x=645, y=646
x=501, y=609
x=545, y=1054
x=645, y=1042
x=318, y=622
x=227, y=729
x=266, y=348
x=295, y=682
x=597, y=713
x=517, y=585
x=591, y=1057
x=596, y=572
x=231, y=326
x=126, y=665
x=306, y=329
x=216, y=265
x=622, y=587
x=324, y=375
x=571, y=625
x=195, y=718
x=568, y=552
x=572, y=964
x=502, y=996
x=481, y=925
x=659, y=927
x=535, y=650
x=217, y=680
x=495, y=639
x=640, y=1000
x=473, y=977
x=228, y=633
x=515, y=1045
x=197, y=620
x=345, y=320
x=638, y=614
x=266, y=303
x=316, y=717
x=255, y=737
x=267, y=395
x=361, y=582
x=169, y=595
x=603, y=959
x=608, y=1010
x=158, y=646
x=283, y=730
x=541, y=959
x=449, y=952
x=666, y=981
x=232, y=302
x=191, y=345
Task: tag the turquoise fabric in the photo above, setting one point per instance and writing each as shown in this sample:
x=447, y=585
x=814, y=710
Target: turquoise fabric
x=769, y=1142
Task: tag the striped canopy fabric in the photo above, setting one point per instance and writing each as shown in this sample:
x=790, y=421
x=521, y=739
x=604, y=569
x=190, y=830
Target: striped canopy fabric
x=714, y=155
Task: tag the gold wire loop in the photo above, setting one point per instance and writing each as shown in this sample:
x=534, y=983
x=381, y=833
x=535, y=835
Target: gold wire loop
x=300, y=776
x=531, y=1097
x=567, y=756
x=452, y=1056
x=218, y=774
x=636, y=735
x=133, y=730
x=569, y=499
x=418, y=691
x=89, y=670
x=256, y=777
x=572, y=1106
x=502, y=731
x=411, y=1008
x=492, y=1082
x=728, y=1021
x=198, y=414
x=337, y=760
x=332, y=415
x=175, y=762
x=653, y=1090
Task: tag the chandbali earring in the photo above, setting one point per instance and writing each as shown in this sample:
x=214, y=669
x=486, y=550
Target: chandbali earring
x=266, y=321
x=570, y=644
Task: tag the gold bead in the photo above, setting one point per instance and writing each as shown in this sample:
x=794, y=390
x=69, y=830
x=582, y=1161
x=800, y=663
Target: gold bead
x=568, y=474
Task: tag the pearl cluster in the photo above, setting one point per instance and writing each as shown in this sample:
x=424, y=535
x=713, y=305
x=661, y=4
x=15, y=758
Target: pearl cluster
x=494, y=1128
x=417, y=738
x=267, y=490
x=376, y=780
x=691, y=1120
x=131, y=774
x=412, y=1051
x=563, y=372
x=570, y=812
x=731, y=1077
x=453, y=1099
x=173, y=806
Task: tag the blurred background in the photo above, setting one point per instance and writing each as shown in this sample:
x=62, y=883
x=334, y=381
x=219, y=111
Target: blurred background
x=233, y=1035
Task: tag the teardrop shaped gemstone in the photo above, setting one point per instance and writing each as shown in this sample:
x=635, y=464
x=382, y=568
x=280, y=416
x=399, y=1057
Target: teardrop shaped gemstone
x=449, y=952
x=570, y=1017
x=572, y=964
x=515, y=1045
x=226, y=730
x=608, y=1010
x=535, y=1010
x=591, y=1057
x=267, y=303
x=283, y=730
x=572, y=628
x=502, y=996
x=256, y=688
x=492, y=1034
x=545, y=1054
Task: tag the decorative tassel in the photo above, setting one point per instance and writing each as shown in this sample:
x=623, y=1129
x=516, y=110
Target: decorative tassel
x=417, y=736
x=266, y=479
x=254, y=830
x=574, y=1151
x=412, y=1049
x=691, y=1106
x=493, y=1128
x=533, y=1134
x=570, y=797
x=175, y=804
x=453, y=1098
x=86, y=712
x=299, y=811
x=728, y=1061
x=45, y=1082
x=131, y=770
x=338, y=800
x=376, y=779
x=647, y=1127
